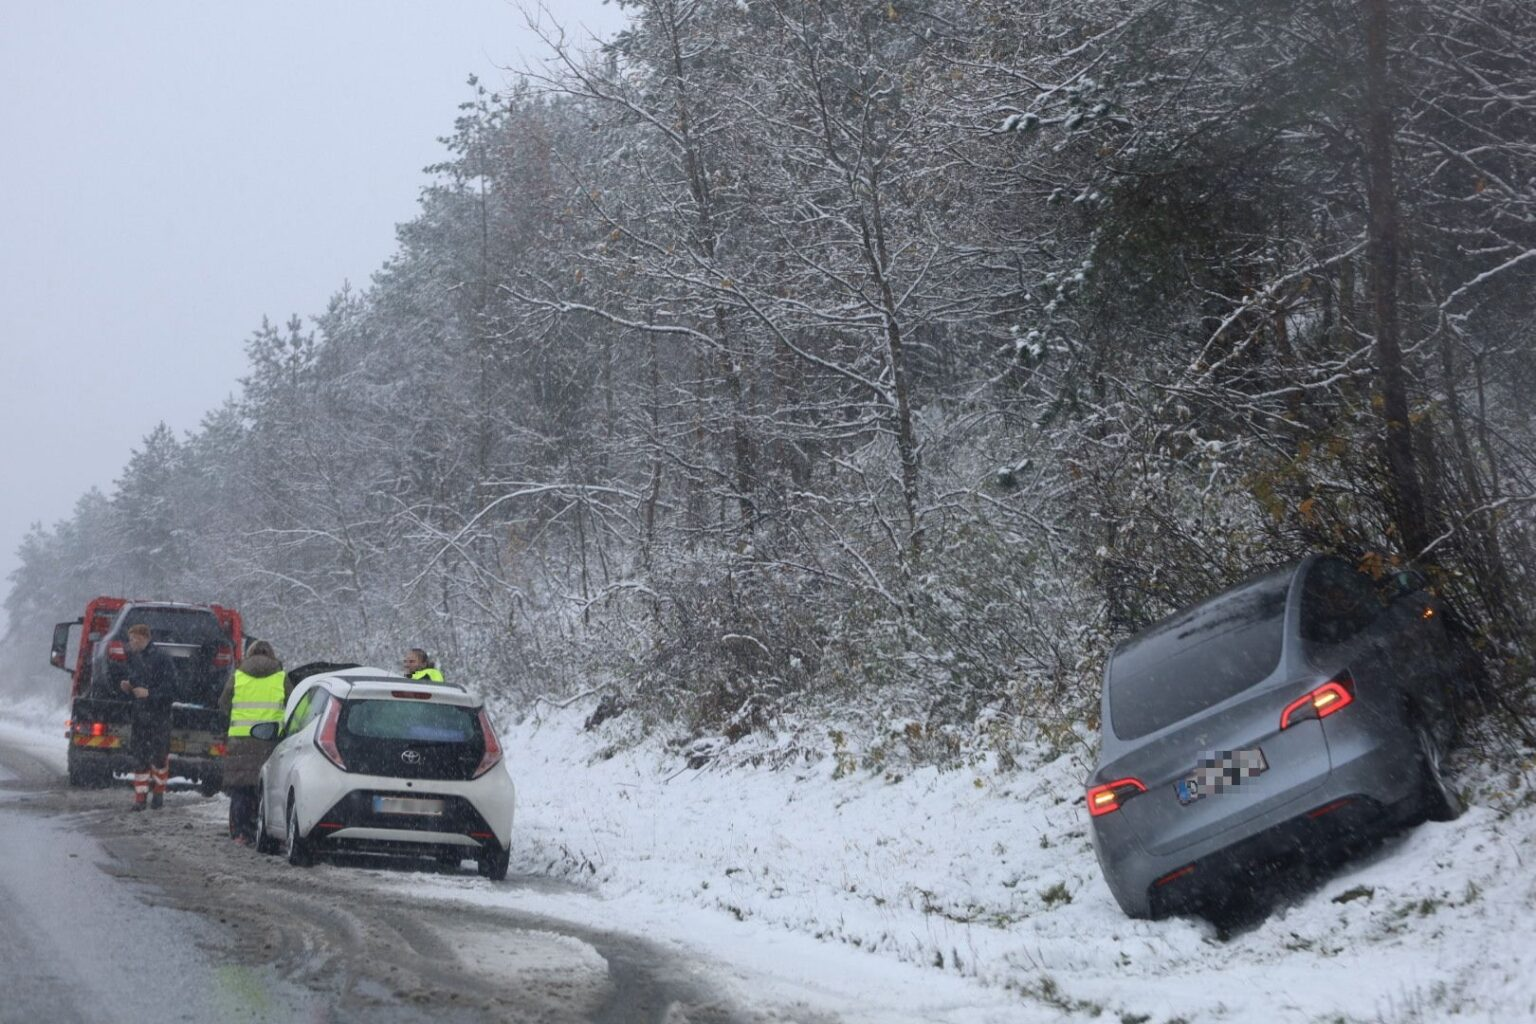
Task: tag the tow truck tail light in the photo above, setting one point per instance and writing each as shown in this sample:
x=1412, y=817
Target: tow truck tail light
x=1335, y=695
x=492, y=755
x=1112, y=795
x=116, y=651
x=325, y=736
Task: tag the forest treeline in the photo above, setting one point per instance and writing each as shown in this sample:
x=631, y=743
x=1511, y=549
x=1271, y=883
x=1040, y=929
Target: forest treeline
x=888, y=357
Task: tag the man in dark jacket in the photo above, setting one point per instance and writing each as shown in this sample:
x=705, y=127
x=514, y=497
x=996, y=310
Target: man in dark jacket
x=149, y=677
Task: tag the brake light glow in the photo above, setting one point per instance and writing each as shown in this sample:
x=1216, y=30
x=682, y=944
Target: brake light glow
x=325, y=736
x=1112, y=795
x=116, y=651
x=1334, y=695
x=217, y=750
x=492, y=755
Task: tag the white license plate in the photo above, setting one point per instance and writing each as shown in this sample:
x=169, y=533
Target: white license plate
x=1219, y=772
x=406, y=805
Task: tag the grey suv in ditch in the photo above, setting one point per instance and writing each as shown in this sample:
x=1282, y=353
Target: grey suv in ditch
x=1308, y=705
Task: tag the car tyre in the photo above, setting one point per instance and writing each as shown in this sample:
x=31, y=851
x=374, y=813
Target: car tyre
x=1438, y=798
x=264, y=841
x=295, y=845
x=84, y=775
x=493, y=862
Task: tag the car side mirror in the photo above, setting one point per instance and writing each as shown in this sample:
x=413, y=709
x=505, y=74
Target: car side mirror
x=264, y=731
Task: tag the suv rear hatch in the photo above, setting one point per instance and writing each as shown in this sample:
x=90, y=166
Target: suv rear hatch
x=1195, y=694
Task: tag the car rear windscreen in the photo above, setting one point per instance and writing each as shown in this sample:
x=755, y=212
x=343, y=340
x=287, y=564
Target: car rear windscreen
x=1198, y=658
x=175, y=625
x=411, y=739
x=412, y=721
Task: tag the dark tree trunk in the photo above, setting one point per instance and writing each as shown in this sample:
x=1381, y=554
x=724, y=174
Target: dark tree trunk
x=1383, y=248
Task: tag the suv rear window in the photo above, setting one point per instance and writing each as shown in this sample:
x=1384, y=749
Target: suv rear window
x=174, y=625
x=410, y=720
x=1198, y=657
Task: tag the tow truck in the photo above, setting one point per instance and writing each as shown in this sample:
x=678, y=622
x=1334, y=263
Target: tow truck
x=201, y=640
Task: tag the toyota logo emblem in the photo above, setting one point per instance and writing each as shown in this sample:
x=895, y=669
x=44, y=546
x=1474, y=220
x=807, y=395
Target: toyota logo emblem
x=411, y=757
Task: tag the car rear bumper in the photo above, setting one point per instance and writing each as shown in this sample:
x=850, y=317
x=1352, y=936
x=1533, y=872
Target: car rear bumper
x=340, y=811
x=196, y=767
x=1372, y=779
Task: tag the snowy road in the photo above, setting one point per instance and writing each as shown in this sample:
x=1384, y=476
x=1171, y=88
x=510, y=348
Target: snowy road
x=158, y=917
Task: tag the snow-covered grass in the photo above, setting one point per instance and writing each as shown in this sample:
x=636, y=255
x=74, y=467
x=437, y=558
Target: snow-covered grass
x=986, y=874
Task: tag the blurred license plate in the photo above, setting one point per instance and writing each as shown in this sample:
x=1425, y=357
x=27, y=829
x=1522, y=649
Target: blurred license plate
x=1221, y=771
x=406, y=805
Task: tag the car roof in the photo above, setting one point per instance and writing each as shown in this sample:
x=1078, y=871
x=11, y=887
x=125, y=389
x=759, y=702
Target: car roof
x=364, y=682
x=165, y=606
x=1151, y=633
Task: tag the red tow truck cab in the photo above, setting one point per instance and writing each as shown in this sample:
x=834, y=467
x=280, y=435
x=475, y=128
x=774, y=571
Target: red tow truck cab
x=203, y=642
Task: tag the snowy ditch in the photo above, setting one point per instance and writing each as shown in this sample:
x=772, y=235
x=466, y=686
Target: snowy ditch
x=987, y=874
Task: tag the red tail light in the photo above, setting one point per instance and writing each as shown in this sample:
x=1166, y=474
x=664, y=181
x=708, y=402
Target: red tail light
x=1112, y=795
x=492, y=746
x=410, y=694
x=1335, y=695
x=325, y=736
x=116, y=651
x=223, y=656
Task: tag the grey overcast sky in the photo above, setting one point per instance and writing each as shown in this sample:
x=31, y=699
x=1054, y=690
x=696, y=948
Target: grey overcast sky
x=171, y=171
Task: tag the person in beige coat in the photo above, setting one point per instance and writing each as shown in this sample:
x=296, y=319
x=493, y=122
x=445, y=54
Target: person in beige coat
x=255, y=693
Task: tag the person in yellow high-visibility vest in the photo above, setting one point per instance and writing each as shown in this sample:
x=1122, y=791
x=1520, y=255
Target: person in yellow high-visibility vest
x=420, y=668
x=255, y=693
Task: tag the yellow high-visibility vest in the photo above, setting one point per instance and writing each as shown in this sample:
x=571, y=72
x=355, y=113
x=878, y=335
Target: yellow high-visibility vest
x=257, y=699
x=428, y=675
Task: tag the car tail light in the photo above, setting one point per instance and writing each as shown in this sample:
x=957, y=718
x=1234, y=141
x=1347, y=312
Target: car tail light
x=1112, y=795
x=116, y=651
x=492, y=746
x=218, y=750
x=325, y=736
x=223, y=656
x=1335, y=695
x=410, y=695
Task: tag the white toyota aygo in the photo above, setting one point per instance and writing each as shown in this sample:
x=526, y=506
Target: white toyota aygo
x=370, y=761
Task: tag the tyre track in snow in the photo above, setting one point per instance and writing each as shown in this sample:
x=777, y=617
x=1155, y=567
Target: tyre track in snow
x=357, y=954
